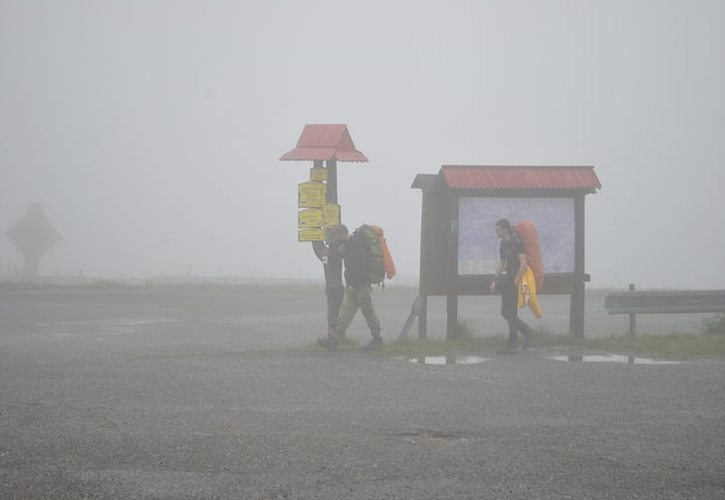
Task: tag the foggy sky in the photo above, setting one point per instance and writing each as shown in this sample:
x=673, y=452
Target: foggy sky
x=151, y=130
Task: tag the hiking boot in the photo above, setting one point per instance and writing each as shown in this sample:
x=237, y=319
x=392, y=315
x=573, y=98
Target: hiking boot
x=528, y=339
x=374, y=345
x=329, y=343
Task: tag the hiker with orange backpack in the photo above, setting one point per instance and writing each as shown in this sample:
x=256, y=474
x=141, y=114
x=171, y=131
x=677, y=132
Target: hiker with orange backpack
x=510, y=270
x=364, y=254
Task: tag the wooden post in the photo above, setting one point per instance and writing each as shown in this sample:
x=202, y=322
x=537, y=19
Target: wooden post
x=332, y=181
x=423, y=318
x=452, y=298
x=632, y=317
x=452, y=317
x=576, y=322
x=320, y=247
x=423, y=313
x=576, y=314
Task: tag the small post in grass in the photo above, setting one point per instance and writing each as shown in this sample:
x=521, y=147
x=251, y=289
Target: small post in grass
x=632, y=316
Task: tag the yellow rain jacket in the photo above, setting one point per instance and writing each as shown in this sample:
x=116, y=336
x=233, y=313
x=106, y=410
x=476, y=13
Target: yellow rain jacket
x=527, y=293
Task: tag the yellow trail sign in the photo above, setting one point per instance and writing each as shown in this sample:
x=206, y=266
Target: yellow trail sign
x=331, y=214
x=311, y=234
x=311, y=194
x=310, y=218
x=318, y=174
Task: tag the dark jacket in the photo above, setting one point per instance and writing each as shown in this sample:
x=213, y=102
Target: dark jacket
x=332, y=263
x=355, y=256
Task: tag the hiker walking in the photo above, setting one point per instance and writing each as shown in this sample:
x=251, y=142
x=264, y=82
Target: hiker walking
x=509, y=271
x=358, y=292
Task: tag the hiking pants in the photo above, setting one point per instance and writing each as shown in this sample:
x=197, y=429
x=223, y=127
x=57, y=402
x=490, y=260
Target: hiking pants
x=334, y=301
x=358, y=298
x=509, y=310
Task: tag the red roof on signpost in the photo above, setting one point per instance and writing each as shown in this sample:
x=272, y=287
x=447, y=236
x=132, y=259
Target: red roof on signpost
x=324, y=142
x=485, y=177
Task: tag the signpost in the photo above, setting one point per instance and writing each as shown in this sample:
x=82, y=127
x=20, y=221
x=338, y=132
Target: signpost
x=324, y=145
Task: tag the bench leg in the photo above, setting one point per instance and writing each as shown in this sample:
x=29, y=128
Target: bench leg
x=633, y=324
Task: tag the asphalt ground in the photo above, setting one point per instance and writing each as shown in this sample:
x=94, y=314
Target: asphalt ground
x=210, y=392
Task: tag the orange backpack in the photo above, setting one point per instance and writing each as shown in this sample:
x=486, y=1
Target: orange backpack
x=529, y=237
x=388, y=263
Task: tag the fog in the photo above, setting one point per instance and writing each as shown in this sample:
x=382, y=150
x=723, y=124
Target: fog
x=151, y=131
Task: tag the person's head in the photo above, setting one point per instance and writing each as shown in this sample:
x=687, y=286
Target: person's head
x=503, y=228
x=338, y=234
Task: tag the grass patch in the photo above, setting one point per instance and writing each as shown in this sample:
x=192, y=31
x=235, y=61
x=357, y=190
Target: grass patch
x=674, y=346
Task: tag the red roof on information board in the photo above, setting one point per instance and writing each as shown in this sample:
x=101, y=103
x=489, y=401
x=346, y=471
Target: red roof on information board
x=324, y=142
x=484, y=177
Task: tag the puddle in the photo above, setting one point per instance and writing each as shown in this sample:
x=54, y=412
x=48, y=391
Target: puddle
x=142, y=322
x=448, y=360
x=432, y=438
x=612, y=358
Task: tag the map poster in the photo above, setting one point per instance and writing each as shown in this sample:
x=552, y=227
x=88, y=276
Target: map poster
x=478, y=246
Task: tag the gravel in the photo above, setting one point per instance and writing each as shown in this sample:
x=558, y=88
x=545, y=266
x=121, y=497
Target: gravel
x=209, y=393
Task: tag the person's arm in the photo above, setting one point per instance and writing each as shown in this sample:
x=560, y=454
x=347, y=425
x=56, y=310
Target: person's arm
x=522, y=268
x=320, y=250
x=499, y=270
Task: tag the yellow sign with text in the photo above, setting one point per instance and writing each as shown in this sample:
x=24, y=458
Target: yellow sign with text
x=310, y=218
x=311, y=194
x=311, y=234
x=318, y=174
x=331, y=214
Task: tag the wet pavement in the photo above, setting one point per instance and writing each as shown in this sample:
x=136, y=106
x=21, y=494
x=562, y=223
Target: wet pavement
x=207, y=393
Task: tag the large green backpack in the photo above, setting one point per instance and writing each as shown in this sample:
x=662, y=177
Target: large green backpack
x=376, y=267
